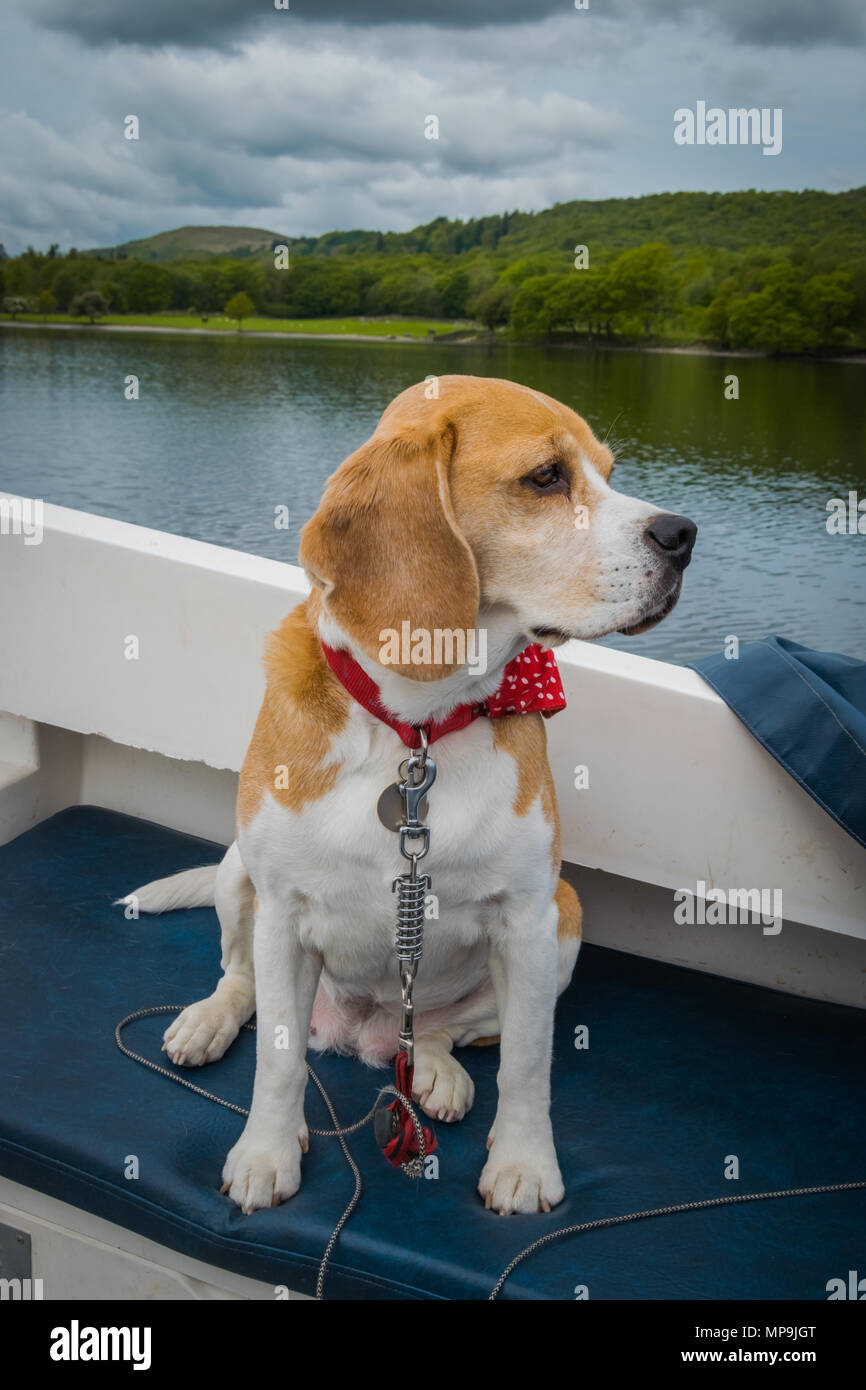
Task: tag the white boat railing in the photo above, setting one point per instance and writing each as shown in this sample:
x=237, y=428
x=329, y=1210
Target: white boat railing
x=154, y=641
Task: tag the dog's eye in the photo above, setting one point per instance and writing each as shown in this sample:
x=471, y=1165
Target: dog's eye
x=549, y=477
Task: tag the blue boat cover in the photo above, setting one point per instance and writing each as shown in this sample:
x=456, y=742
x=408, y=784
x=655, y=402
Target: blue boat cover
x=682, y=1071
x=808, y=709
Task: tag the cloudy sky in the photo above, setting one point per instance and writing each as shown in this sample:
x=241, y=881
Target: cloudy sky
x=313, y=118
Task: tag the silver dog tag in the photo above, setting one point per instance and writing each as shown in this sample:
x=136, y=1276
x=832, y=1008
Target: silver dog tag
x=391, y=808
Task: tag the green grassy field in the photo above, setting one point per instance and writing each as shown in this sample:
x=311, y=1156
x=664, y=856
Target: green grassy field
x=218, y=323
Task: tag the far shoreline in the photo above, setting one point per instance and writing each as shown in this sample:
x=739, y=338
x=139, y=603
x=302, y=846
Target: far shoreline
x=458, y=340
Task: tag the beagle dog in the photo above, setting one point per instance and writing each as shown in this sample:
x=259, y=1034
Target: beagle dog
x=487, y=508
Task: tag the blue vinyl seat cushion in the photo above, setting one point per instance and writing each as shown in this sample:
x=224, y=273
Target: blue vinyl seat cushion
x=683, y=1069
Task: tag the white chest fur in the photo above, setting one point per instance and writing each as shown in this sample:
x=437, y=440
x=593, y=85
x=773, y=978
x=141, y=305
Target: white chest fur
x=332, y=863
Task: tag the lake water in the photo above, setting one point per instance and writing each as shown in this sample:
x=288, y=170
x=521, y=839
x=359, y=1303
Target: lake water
x=228, y=428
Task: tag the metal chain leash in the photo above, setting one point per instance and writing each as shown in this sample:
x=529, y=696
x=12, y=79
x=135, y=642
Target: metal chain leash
x=411, y=888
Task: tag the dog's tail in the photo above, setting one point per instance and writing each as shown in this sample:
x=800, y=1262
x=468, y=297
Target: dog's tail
x=192, y=888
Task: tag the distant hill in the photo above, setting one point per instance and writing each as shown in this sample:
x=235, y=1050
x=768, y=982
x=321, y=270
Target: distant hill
x=733, y=221
x=186, y=242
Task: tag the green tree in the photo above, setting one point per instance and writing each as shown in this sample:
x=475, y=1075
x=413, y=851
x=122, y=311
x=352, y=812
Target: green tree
x=532, y=315
x=14, y=304
x=148, y=289
x=762, y=321
x=18, y=276
x=697, y=283
x=420, y=294
x=408, y=289
x=776, y=318
x=642, y=280
x=64, y=287
x=714, y=321
x=752, y=268
x=493, y=305
x=453, y=293
x=306, y=288
x=90, y=305
x=244, y=275
x=828, y=303
x=783, y=282
x=240, y=307
x=114, y=296
x=606, y=299
x=571, y=301
x=183, y=288
x=316, y=288
x=45, y=303
x=210, y=293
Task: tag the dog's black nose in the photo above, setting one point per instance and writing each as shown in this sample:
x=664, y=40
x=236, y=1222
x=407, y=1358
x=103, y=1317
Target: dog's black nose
x=674, y=536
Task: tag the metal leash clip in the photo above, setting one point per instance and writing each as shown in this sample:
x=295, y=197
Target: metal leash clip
x=411, y=888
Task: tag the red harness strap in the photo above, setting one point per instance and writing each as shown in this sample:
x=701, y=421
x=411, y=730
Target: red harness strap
x=403, y=1145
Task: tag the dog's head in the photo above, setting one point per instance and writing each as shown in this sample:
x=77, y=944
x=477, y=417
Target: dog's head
x=491, y=495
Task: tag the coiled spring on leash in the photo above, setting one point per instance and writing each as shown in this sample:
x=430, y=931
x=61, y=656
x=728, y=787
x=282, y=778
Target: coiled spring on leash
x=411, y=890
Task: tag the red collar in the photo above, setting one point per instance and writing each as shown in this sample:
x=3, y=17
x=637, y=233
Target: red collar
x=530, y=683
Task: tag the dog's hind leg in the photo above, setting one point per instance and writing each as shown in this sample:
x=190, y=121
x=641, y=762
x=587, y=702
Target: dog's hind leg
x=204, y=1030
x=442, y=1087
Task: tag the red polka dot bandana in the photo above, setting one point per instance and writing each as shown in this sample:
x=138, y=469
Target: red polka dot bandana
x=531, y=684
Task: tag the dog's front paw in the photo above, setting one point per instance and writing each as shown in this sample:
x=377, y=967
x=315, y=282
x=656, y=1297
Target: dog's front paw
x=522, y=1178
x=260, y=1172
x=201, y=1033
x=442, y=1088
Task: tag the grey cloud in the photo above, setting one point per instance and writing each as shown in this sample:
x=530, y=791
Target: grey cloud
x=768, y=23
x=324, y=105
x=213, y=23
x=217, y=23
x=306, y=127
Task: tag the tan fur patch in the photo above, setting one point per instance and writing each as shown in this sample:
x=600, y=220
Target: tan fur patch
x=570, y=911
x=384, y=546
x=524, y=737
x=502, y=430
x=304, y=707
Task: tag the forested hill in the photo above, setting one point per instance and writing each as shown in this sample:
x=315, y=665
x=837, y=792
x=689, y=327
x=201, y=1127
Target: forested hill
x=732, y=221
x=729, y=221
x=781, y=272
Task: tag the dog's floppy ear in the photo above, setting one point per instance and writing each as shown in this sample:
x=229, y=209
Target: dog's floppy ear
x=386, y=549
